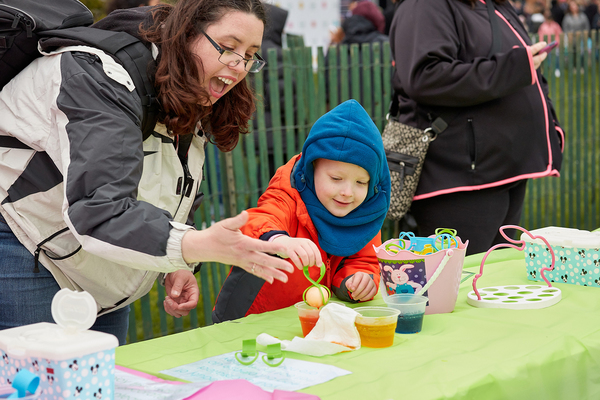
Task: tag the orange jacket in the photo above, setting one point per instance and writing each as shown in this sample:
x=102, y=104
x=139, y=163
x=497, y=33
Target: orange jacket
x=281, y=209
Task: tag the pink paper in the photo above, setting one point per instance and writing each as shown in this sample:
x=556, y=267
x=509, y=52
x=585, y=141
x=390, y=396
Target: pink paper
x=235, y=389
x=147, y=376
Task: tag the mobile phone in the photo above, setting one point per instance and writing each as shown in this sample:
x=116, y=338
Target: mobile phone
x=549, y=47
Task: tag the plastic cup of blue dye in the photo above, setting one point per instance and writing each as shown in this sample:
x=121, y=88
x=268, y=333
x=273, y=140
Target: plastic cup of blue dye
x=412, y=311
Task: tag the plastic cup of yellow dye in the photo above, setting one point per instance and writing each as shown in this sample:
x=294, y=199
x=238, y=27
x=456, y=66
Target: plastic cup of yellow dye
x=376, y=325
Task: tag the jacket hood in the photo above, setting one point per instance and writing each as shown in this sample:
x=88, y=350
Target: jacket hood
x=345, y=134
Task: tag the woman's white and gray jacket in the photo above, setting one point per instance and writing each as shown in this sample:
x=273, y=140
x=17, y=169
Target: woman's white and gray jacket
x=104, y=210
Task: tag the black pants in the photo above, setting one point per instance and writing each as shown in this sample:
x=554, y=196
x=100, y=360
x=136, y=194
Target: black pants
x=476, y=215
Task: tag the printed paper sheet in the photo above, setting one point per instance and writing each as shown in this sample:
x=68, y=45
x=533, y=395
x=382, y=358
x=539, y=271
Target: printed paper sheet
x=134, y=385
x=291, y=375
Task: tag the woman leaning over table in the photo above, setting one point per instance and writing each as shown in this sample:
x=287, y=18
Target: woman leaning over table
x=101, y=206
x=502, y=128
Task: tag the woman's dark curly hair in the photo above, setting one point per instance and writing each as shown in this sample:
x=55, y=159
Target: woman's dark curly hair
x=177, y=77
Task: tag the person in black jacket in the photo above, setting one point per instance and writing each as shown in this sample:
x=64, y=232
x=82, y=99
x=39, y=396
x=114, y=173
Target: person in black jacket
x=558, y=9
x=502, y=127
x=358, y=29
x=388, y=14
x=592, y=11
x=365, y=25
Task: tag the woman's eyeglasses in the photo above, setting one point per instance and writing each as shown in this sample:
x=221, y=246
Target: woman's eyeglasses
x=232, y=59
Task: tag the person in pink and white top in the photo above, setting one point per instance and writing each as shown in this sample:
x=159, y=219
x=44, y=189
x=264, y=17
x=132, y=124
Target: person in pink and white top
x=549, y=29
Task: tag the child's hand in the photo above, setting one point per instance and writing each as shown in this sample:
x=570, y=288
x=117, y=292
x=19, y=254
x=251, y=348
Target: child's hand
x=361, y=286
x=300, y=251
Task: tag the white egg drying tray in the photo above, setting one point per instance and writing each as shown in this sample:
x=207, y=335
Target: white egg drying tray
x=517, y=297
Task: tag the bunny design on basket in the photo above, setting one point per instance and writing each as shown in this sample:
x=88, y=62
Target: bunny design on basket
x=399, y=281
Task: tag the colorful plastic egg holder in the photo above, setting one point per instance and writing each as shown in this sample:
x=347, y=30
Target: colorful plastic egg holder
x=515, y=296
x=316, y=284
x=444, y=238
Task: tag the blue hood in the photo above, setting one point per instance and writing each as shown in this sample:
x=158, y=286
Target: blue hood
x=345, y=134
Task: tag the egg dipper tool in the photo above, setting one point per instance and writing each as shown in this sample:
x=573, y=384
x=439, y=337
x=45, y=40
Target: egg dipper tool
x=405, y=241
x=317, y=285
x=518, y=297
x=445, y=239
x=249, y=354
x=273, y=353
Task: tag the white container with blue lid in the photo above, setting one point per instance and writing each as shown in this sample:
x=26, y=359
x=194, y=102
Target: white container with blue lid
x=69, y=358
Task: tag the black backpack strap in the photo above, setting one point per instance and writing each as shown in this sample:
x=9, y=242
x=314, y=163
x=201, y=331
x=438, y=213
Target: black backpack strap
x=135, y=57
x=12, y=143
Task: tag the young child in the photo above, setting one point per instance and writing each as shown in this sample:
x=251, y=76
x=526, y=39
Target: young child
x=326, y=204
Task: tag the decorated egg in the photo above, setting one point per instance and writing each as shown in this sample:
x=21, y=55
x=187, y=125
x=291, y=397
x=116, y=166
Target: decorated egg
x=313, y=296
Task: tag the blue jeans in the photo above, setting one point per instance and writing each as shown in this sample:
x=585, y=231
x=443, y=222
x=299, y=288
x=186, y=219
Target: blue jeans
x=26, y=296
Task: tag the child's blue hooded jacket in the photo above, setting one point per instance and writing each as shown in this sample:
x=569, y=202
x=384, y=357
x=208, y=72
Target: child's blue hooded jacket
x=346, y=134
x=346, y=244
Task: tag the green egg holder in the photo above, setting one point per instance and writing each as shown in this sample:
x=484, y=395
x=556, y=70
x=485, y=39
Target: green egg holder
x=273, y=352
x=249, y=354
x=316, y=284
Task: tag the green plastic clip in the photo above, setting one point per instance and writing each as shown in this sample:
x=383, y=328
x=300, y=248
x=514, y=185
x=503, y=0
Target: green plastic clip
x=273, y=352
x=395, y=248
x=248, y=350
x=316, y=283
x=439, y=231
x=445, y=239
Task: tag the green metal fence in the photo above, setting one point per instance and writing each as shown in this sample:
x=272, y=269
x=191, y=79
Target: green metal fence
x=234, y=181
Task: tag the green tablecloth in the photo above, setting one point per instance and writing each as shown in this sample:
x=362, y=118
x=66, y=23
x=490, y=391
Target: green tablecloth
x=471, y=353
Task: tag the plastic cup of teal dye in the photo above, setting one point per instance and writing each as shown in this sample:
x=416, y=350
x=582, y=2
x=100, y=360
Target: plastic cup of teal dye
x=412, y=310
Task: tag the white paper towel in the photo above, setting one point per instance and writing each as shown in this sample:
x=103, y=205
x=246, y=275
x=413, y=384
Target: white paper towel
x=334, y=333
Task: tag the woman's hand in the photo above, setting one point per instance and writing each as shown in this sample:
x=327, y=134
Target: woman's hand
x=362, y=286
x=538, y=58
x=182, y=293
x=302, y=252
x=223, y=242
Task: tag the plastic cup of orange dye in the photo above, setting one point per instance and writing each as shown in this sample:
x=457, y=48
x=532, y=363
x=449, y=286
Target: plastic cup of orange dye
x=376, y=325
x=308, y=316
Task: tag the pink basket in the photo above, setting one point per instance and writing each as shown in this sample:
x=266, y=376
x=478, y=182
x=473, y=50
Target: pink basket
x=403, y=271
